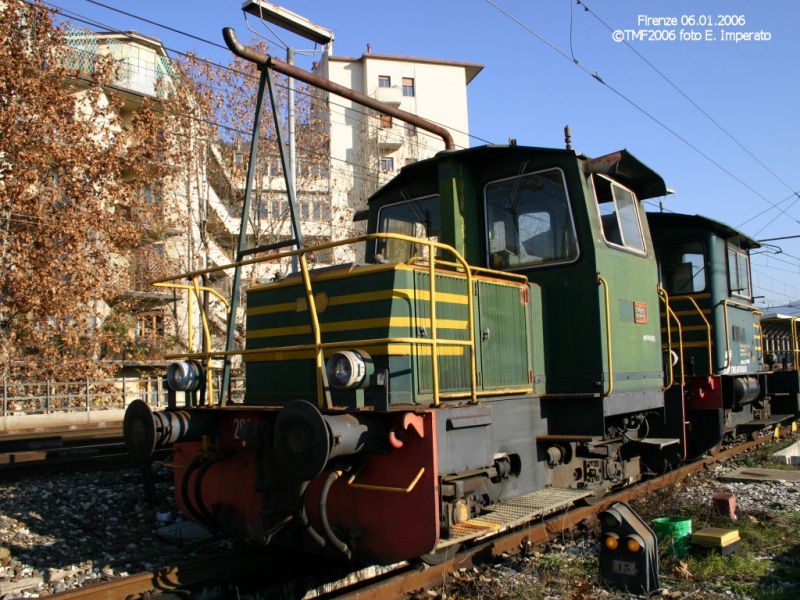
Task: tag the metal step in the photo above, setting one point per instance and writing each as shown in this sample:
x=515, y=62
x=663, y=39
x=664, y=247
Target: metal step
x=773, y=420
x=658, y=443
x=513, y=512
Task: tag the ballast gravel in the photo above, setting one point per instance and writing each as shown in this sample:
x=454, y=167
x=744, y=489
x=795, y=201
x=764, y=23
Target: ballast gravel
x=60, y=531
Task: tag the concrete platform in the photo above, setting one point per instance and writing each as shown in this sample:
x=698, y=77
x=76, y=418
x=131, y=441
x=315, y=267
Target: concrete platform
x=788, y=456
x=751, y=475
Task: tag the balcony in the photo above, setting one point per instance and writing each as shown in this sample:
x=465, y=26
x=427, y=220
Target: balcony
x=390, y=95
x=142, y=66
x=390, y=138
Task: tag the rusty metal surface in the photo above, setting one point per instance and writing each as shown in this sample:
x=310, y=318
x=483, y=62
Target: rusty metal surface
x=325, y=84
x=226, y=567
x=223, y=567
x=400, y=585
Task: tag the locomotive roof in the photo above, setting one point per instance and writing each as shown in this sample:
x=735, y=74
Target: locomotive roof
x=666, y=221
x=622, y=166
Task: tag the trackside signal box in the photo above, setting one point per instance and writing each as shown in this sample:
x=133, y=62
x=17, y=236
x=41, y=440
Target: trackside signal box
x=628, y=550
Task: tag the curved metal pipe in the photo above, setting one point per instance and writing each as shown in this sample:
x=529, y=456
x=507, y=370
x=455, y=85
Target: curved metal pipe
x=198, y=490
x=253, y=56
x=185, y=490
x=323, y=514
x=318, y=539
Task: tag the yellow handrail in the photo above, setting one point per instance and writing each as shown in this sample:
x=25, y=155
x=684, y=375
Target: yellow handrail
x=206, y=343
x=195, y=290
x=662, y=293
x=680, y=341
x=602, y=280
x=318, y=346
x=708, y=328
x=725, y=303
x=795, y=348
x=385, y=488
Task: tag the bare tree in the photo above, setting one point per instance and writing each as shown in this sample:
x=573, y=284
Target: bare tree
x=72, y=205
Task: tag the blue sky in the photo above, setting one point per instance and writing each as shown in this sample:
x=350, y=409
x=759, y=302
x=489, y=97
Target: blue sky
x=529, y=91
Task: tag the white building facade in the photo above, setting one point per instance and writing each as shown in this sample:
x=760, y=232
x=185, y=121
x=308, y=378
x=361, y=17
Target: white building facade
x=368, y=149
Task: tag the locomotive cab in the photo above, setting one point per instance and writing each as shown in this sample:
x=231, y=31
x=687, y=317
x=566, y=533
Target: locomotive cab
x=574, y=226
x=705, y=271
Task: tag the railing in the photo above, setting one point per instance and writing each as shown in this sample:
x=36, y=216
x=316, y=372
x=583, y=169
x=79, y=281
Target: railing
x=152, y=77
x=782, y=341
x=88, y=396
x=671, y=313
x=707, y=325
x=609, y=348
x=459, y=265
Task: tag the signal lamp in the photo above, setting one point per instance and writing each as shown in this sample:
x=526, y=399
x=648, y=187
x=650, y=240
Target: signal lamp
x=612, y=541
x=633, y=545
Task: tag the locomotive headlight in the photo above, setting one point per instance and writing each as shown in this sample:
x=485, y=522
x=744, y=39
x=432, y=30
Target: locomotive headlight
x=185, y=376
x=348, y=369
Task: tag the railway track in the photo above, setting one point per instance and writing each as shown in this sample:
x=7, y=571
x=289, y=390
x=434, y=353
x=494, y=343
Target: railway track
x=60, y=445
x=380, y=583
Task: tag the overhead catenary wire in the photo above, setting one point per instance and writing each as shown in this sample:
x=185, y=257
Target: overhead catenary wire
x=686, y=96
x=595, y=75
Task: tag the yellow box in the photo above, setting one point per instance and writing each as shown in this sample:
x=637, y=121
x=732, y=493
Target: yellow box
x=715, y=537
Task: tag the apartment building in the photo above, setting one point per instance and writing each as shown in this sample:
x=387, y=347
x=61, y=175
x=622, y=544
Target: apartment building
x=368, y=149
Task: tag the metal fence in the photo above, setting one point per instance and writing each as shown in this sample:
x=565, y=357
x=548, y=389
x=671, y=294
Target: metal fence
x=46, y=397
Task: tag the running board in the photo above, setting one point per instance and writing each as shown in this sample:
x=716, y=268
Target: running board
x=657, y=443
x=512, y=513
x=773, y=420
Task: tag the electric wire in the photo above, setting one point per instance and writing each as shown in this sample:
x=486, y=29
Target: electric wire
x=686, y=96
x=595, y=75
x=110, y=29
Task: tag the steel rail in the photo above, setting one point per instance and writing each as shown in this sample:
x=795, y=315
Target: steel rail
x=397, y=583
x=398, y=586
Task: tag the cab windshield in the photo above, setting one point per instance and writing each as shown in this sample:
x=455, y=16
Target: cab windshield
x=418, y=217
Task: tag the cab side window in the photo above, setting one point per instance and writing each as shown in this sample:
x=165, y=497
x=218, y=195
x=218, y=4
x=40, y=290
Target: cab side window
x=683, y=268
x=739, y=272
x=619, y=214
x=529, y=221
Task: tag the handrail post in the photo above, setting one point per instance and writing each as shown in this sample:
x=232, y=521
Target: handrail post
x=323, y=393
x=662, y=293
x=602, y=280
x=434, y=345
x=671, y=313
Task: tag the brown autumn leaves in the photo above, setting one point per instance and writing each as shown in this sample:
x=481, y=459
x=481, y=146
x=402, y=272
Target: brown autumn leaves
x=75, y=159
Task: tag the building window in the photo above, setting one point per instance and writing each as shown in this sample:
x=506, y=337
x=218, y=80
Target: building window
x=386, y=121
x=408, y=86
x=411, y=130
x=384, y=81
x=387, y=164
